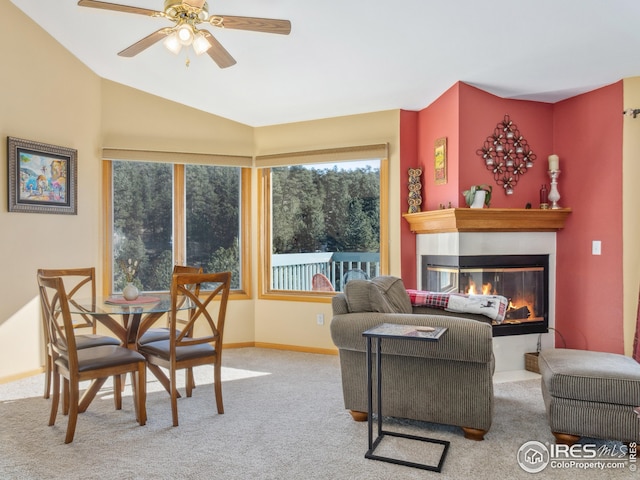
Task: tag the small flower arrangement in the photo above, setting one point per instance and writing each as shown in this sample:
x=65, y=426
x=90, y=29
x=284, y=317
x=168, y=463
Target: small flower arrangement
x=129, y=269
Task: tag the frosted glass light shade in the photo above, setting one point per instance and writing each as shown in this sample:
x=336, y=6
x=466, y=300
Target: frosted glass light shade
x=185, y=34
x=172, y=43
x=200, y=44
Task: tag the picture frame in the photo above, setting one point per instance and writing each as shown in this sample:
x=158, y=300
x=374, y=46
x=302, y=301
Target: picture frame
x=440, y=161
x=42, y=177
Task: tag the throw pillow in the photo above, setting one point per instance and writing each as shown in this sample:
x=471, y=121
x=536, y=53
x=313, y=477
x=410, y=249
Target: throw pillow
x=394, y=293
x=357, y=293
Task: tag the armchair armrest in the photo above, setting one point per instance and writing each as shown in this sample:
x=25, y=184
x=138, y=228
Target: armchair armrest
x=465, y=340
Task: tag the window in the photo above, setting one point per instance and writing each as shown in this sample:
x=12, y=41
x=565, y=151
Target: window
x=164, y=214
x=322, y=223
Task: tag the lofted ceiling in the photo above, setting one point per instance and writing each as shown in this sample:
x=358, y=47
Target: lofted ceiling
x=346, y=57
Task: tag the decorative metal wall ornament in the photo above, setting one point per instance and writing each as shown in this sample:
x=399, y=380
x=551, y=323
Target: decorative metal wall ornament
x=507, y=154
x=415, y=186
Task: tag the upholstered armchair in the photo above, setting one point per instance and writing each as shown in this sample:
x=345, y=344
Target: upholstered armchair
x=447, y=382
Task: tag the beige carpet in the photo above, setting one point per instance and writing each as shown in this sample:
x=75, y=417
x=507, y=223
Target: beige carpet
x=284, y=419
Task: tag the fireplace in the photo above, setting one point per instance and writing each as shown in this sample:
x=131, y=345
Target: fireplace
x=522, y=279
x=465, y=233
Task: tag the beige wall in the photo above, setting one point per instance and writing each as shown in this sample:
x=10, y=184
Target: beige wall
x=630, y=216
x=46, y=96
x=63, y=103
x=49, y=96
x=294, y=323
x=135, y=120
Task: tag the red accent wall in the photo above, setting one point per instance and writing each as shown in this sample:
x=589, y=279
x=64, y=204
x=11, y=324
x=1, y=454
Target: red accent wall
x=408, y=159
x=589, y=296
x=586, y=133
x=438, y=120
x=480, y=112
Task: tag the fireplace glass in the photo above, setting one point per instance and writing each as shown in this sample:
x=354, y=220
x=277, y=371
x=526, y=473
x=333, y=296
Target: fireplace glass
x=522, y=279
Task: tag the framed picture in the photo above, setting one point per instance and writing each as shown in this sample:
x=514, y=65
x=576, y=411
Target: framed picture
x=440, y=160
x=42, y=178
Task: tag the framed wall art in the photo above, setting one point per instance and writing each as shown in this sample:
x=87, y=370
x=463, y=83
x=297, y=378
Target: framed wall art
x=42, y=177
x=440, y=160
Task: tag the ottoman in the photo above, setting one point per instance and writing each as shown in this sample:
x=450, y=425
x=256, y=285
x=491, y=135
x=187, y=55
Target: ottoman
x=590, y=394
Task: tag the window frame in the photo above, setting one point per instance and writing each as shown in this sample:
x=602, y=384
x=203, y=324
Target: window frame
x=264, y=165
x=179, y=223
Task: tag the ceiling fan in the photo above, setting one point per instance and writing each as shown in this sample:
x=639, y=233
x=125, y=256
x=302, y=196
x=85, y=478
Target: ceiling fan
x=187, y=15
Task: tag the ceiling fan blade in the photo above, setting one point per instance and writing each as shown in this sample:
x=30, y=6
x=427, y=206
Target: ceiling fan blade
x=254, y=24
x=118, y=8
x=217, y=52
x=145, y=43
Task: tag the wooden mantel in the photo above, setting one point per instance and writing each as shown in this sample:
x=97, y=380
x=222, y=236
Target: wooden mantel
x=487, y=220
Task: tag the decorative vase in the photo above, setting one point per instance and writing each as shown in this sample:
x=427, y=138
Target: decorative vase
x=130, y=292
x=478, y=199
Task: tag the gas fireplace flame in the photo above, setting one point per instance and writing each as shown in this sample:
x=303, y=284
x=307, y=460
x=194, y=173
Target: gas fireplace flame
x=521, y=309
x=487, y=288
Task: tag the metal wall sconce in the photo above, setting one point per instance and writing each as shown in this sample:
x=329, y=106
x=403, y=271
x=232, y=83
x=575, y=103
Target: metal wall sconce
x=507, y=154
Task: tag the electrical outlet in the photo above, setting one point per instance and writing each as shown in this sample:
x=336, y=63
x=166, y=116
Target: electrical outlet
x=596, y=247
x=320, y=318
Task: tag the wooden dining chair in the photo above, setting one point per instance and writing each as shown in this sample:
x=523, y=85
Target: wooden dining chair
x=155, y=334
x=77, y=365
x=79, y=283
x=199, y=342
x=162, y=333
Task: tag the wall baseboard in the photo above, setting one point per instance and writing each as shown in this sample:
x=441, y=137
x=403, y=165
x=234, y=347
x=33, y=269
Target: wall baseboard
x=274, y=346
x=296, y=348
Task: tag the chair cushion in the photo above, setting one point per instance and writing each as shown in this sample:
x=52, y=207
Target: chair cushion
x=154, y=335
x=161, y=349
x=591, y=376
x=92, y=340
x=102, y=357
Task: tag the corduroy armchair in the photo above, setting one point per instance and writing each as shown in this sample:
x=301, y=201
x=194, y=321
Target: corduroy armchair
x=447, y=382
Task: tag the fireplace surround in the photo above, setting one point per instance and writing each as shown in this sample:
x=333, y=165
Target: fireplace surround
x=466, y=232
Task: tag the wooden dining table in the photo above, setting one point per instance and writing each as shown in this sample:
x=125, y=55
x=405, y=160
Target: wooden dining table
x=127, y=320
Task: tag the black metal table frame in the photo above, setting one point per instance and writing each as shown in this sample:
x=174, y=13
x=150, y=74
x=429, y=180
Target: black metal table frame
x=373, y=444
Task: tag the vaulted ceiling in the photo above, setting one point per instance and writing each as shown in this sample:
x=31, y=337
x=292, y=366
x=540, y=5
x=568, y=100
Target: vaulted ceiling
x=347, y=57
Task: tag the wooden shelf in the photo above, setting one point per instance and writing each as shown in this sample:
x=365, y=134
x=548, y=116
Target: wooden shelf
x=487, y=220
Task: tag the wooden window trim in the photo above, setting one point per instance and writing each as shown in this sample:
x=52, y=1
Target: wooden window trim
x=179, y=233
x=264, y=247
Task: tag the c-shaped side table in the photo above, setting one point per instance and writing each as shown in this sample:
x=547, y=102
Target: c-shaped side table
x=404, y=332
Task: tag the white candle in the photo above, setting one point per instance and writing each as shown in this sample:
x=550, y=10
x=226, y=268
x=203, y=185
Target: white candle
x=554, y=162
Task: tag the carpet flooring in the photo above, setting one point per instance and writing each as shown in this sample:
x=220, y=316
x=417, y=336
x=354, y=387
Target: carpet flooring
x=284, y=419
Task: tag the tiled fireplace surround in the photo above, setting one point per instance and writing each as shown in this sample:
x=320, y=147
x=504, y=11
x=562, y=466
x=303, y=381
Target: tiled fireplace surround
x=462, y=232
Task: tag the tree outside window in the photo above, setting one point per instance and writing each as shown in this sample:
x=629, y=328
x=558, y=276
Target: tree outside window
x=144, y=216
x=324, y=209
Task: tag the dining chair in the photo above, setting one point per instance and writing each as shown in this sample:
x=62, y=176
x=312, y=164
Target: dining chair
x=155, y=334
x=78, y=365
x=162, y=333
x=199, y=342
x=79, y=282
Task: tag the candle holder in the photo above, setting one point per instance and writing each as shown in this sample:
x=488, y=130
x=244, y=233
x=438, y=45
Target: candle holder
x=554, y=195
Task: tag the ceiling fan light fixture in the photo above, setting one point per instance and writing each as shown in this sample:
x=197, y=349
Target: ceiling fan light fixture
x=185, y=34
x=172, y=43
x=200, y=44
